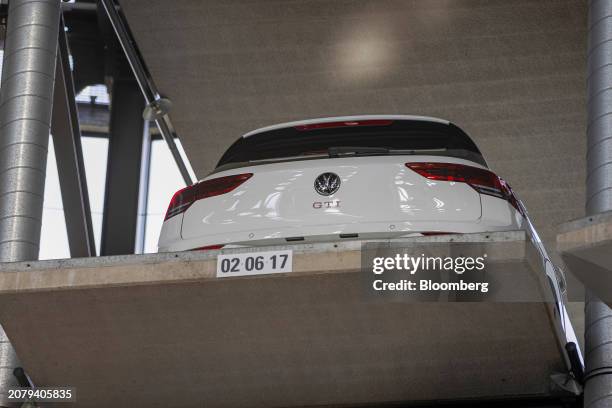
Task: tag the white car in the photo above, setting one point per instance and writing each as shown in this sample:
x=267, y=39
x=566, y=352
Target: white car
x=342, y=178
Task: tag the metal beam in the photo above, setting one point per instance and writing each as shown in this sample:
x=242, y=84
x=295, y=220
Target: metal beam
x=143, y=192
x=69, y=154
x=123, y=169
x=157, y=107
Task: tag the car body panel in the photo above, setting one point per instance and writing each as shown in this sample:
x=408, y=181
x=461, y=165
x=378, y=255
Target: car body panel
x=372, y=190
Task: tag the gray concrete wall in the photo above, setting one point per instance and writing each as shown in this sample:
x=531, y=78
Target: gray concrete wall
x=511, y=72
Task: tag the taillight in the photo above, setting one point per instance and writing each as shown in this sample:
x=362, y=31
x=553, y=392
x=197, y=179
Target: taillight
x=209, y=248
x=348, y=123
x=481, y=180
x=182, y=199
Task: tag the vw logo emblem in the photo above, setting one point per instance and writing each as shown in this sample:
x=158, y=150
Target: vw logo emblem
x=327, y=184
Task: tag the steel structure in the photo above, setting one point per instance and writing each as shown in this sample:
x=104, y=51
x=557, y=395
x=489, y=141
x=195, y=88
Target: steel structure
x=157, y=107
x=66, y=134
x=26, y=99
x=143, y=193
x=123, y=169
x=25, y=118
x=598, y=316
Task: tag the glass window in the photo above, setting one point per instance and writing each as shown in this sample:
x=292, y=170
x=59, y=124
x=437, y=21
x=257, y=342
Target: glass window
x=54, y=237
x=164, y=180
x=366, y=137
x=95, y=155
x=94, y=94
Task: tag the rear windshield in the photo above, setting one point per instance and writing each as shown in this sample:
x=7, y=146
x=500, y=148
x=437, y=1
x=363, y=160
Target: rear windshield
x=381, y=137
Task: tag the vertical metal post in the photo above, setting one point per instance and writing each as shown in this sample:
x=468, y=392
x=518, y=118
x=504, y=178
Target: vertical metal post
x=26, y=97
x=25, y=118
x=123, y=169
x=598, y=316
x=143, y=190
x=69, y=154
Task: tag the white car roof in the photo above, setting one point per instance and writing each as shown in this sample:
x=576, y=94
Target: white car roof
x=345, y=119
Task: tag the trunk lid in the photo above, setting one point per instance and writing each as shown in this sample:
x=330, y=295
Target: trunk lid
x=282, y=199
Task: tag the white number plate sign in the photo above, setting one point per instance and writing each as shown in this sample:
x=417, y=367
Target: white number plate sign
x=254, y=263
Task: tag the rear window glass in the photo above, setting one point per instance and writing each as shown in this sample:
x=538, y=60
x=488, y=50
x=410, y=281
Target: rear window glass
x=392, y=137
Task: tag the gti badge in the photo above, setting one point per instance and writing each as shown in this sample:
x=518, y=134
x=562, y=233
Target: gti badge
x=327, y=184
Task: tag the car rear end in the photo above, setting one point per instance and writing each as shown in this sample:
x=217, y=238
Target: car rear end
x=368, y=177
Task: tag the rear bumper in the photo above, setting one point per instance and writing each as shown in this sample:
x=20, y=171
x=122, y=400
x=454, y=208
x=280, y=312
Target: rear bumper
x=336, y=232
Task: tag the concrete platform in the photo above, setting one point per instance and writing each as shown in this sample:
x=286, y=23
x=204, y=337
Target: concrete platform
x=162, y=330
x=585, y=245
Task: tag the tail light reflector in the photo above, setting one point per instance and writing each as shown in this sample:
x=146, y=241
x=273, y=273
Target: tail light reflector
x=182, y=199
x=481, y=180
x=350, y=123
x=209, y=248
